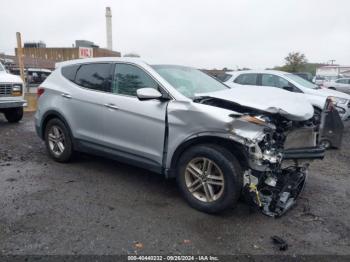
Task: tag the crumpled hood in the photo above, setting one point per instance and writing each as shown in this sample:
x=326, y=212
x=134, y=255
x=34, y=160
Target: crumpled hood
x=9, y=78
x=267, y=99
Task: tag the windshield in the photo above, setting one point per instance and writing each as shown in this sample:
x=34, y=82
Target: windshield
x=2, y=67
x=189, y=81
x=301, y=81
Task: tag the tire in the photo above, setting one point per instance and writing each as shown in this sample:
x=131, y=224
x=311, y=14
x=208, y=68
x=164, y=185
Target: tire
x=56, y=136
x=333, y=88
x=224, y=165
x=14, y=115
x=326, y=144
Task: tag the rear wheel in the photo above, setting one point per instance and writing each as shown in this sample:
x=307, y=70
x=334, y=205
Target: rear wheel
x=210, y=178
x=14, y=115
x=58, y=141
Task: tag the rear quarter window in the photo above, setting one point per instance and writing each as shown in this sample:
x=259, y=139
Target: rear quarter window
x=70, y=72
x=95, y=76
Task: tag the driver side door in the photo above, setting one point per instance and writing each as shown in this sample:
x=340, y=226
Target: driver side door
x=135, y=129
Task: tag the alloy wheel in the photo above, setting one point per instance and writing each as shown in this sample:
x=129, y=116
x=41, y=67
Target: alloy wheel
x=204, y=179
x=56, y=140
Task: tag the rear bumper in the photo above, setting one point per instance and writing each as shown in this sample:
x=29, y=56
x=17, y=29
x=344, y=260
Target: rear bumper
x=304, y=153
x=12, y=103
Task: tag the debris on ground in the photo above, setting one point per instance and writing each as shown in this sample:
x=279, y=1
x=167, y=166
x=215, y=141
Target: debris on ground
x=280, y=243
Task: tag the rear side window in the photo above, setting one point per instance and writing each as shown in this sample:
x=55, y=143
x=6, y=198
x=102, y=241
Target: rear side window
x=129, y=78
x=69, y=72
x=96, y=76
x=223, y=77
x=247, y=79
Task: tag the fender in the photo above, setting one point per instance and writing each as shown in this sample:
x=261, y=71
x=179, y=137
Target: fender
x=227, y=140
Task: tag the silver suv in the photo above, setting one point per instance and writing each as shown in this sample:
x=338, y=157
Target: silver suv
x=219, y=143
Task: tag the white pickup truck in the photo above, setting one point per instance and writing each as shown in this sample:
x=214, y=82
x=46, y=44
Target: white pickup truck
x=11, y=96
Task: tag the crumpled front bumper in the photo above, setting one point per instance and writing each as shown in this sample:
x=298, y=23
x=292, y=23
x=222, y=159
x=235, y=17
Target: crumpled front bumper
x=275, y=190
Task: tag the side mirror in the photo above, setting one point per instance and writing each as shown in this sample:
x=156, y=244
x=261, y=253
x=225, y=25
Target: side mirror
x=148, y=93
x=288, y=88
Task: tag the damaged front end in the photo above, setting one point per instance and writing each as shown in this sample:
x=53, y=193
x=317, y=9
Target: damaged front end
x=279, y=164
x=278, y=151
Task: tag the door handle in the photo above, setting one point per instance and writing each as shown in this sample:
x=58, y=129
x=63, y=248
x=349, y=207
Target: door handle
x=111, y=106
x=66, y=95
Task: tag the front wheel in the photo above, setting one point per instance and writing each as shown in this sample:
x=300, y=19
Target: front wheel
x=14, y=115
x=210, y=178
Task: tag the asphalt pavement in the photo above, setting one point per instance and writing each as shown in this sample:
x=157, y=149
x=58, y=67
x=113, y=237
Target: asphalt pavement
x=98, y=206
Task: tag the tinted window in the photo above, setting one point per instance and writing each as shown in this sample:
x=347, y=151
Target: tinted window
x=95, y=76
x=69, y=72
x=223, y=77
x=129, y=78
x=342, y=81
x=272, y=80
x=247, y=79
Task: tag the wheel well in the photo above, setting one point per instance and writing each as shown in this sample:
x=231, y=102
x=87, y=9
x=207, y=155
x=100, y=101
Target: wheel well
x=48, y=117
x=235, y=148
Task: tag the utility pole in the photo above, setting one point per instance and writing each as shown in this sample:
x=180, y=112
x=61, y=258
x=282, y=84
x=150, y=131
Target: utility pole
x=20, y=56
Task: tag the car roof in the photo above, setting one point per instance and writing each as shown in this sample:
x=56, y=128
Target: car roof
x=101, y=59
x=276, y=72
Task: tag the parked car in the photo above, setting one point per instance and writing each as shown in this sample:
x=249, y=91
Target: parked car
x=319, y=80
x=218, y=142
x=11, y=96
x=341, y=84
x=306, y=75
x=293, y=83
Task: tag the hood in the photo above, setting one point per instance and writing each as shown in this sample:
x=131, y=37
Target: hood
x=9, y=78
x=268, y=99
x=327, y=92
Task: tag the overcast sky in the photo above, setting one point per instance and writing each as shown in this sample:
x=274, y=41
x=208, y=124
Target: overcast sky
x=200, y=33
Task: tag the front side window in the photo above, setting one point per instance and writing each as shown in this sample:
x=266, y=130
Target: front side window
x=247, y=79
x=273, y=80
x=129, y=78
x=301, y=81
x=96, y=76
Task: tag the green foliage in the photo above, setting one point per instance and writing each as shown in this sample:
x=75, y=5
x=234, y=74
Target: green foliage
x=297, y=62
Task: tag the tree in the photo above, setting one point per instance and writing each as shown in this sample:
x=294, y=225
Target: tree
x=295, y=62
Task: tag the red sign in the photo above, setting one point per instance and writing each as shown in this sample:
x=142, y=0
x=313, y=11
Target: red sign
x=85, y=52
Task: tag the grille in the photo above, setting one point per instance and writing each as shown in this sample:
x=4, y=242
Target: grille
x=5, y=89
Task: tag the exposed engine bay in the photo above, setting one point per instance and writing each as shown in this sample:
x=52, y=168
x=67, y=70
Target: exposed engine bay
x=278, y=156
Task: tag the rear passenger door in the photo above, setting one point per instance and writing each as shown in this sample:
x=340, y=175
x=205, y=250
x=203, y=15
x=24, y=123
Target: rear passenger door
x=135, y=129
x=342, y=85
x=84, y=100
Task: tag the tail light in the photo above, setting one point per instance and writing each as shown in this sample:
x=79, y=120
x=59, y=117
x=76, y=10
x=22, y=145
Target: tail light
x=40, y=91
